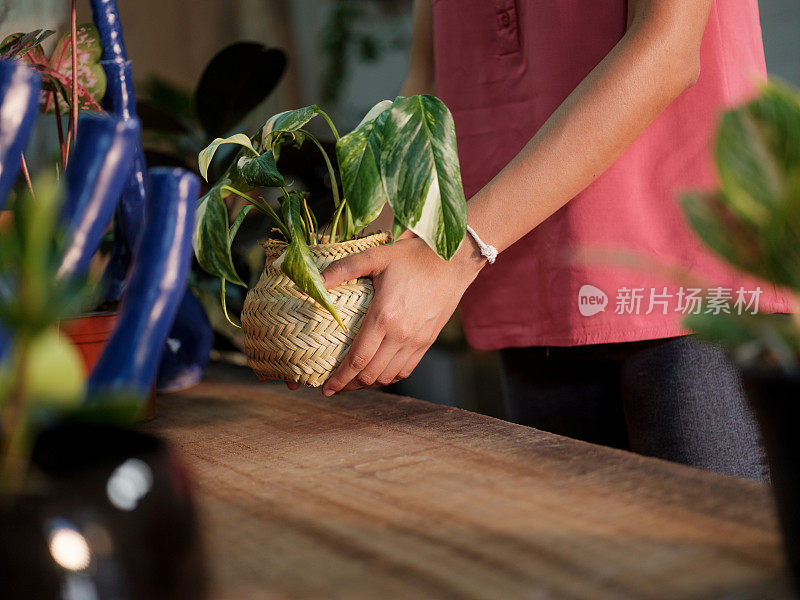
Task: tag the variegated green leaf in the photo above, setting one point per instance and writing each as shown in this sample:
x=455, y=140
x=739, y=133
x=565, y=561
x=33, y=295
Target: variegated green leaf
x=297, y=262
x=359, y=154
x=207, y=154
x=421, y=174
x=211, y=241
x=288, y=121
x=260, y=171
x=373, y=112
x=397, y=230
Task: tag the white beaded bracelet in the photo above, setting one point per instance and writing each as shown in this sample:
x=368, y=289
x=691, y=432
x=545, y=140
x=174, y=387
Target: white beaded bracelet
x=489, y=252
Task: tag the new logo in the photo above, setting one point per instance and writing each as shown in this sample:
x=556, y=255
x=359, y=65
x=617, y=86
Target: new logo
x=591, y=300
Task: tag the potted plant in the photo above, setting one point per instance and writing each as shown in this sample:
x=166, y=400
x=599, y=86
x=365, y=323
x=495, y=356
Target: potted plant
x=753, y=222
x=402, y=153
x=176, y=125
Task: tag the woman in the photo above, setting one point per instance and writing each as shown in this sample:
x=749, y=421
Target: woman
x=578, y=124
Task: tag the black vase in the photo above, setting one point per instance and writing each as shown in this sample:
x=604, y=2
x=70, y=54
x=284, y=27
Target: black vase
x=109, y=514
x=775, y=398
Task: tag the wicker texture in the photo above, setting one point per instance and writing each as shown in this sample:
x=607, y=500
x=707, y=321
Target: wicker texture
x=287, y=335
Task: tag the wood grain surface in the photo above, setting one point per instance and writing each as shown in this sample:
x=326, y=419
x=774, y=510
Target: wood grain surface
x=372, y=496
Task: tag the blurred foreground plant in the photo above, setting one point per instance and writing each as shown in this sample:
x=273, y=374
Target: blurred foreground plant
x=42, y=379
x=753, y=222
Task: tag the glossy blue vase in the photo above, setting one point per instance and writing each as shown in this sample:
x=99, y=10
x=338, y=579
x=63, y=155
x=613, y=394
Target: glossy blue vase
x=99, y=168
x=19, y=105
x=156, y=287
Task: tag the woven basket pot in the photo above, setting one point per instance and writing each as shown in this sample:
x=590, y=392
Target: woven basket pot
x=289, y=336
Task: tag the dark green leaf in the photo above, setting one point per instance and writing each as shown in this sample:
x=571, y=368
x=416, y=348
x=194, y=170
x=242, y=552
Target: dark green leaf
x=234, y=82
x=169, y=97
x=260, y=171
x=358, y=154
x=298, y=263
x=156, y=119
x=211, y=245
x=421, y=174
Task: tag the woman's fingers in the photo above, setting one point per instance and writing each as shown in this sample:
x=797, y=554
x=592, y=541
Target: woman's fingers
x=411, y=363
x=368, y=340
x=392, y=372
x=374, y=374
x=363, y=264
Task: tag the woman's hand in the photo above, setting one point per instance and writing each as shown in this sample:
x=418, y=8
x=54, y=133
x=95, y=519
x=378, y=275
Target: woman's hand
x=416, y=292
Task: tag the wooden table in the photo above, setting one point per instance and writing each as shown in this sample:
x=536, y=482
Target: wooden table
x=372, y=496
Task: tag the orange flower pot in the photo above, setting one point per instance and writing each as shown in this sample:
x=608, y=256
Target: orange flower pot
x=90, y=333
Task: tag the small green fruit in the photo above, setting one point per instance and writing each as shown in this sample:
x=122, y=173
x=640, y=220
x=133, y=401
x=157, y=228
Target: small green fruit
x=55, y=374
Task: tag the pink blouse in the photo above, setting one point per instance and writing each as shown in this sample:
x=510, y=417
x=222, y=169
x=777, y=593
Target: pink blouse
x=502, y=67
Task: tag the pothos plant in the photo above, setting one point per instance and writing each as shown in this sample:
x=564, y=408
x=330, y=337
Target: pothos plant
x=403, y=153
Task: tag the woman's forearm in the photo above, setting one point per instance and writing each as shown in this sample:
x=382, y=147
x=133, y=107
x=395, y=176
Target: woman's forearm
x=421, y=76
x=656, y=61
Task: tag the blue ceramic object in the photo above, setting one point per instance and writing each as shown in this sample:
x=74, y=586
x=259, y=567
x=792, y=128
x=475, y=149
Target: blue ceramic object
x=180, y=367
x=99, y=168
x=187, y=349
x=156, y=287
x=19, y=105
x=120, y=100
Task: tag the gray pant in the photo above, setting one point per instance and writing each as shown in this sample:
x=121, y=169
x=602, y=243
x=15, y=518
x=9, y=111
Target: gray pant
x=677, y=399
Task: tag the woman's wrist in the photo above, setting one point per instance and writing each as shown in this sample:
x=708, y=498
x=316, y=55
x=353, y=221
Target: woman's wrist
x=468, y=258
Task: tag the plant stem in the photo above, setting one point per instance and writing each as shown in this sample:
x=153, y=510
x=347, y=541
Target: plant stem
x=330, y=123
x=74, y=43
x=331, y=174
x=263, y=207
x=13, y=421
x=26, y=174
x=312, y=221
x=312, y=234
x=60, y=128
x=348, y=221
x=68, y=143
x=335, y=225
